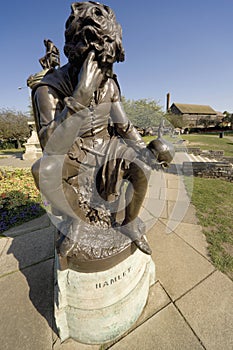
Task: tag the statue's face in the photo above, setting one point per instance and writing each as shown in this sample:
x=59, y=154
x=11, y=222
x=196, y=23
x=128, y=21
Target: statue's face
x=93, y=26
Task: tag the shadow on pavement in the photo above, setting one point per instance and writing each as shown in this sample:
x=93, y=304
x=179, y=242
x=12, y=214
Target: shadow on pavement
x=39, y=275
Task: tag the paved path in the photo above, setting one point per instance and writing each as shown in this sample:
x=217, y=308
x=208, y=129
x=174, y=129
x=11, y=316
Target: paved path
x=189, y=307
x=15, y=161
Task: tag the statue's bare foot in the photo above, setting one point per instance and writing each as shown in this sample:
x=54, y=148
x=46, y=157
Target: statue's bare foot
x=66, y=247
x=68, y=243
x=131, y=231
x=143, y=245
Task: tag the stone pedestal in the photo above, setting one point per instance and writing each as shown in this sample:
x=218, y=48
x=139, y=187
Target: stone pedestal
x=32, y=147
x=98, y=307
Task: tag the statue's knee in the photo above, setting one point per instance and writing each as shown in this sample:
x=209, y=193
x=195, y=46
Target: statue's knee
x=35, y=169
x=146, y=170
x=45, y=169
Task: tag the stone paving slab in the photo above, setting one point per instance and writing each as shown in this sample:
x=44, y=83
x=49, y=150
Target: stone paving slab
x=156, y=207
x=145, y=215
x=192, y=234
x=176, y=183
x=178, y=209
x=73, y=345
x=166, y=330
x=26, y=250
x=3, y=244
x=157, y=299
x=153, y=191
x=150, y=224
x=178, y=266
x=208, y=308
x=26, y=308
x=158, y=178
x=190, y=215
x=178, y=202
x=174, y=194
x=181, y=212
x=33, y=225
x=170, y=207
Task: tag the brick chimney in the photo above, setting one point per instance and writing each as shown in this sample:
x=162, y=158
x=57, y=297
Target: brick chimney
x=168, y=102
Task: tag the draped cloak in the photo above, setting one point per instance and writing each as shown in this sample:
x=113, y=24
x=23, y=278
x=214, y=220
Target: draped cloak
x=118, y=155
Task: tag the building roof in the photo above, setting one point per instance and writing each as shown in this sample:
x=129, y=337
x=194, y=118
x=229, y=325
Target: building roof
x=193, y=109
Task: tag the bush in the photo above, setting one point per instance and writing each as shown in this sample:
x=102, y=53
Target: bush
x=7, y=145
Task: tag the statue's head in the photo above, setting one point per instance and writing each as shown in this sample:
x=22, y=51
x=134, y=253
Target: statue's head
x=93, y=26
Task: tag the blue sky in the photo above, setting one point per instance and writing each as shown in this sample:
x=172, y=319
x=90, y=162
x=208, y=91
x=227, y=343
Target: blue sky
x=183, y=47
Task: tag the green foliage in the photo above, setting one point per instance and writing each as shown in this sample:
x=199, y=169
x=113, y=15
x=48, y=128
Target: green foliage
x=206, y=121
x=5, y=145
x=226, y=113
x=20, y=200
x=143, y=113
x=177, y=121
x=228, y=119
x=13, y=126
x=213, y=201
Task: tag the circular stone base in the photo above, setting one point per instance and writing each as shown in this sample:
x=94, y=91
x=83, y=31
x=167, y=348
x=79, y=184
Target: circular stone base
x=98, y=307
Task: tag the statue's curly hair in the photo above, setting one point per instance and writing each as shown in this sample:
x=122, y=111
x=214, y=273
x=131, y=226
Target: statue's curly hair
x=93, y=26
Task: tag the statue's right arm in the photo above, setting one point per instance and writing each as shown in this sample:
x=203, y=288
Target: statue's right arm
x=60, y=125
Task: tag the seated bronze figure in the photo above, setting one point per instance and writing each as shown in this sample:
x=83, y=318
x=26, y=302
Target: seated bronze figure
x=90, y=146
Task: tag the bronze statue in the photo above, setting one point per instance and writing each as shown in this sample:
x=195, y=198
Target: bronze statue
x=52, y=56
x=90, y=146
x=49, y=61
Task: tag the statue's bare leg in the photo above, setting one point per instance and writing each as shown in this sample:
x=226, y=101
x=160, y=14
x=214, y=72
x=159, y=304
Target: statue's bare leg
x=138, y=176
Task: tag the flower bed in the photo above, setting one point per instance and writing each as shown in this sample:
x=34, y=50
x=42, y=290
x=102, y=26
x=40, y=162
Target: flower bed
x=20, y=201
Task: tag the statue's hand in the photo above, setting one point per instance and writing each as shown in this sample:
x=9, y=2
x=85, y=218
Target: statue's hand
x=148, y=158
x=90, y=78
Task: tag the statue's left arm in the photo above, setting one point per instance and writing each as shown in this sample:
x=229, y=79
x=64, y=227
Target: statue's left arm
x=123, y=125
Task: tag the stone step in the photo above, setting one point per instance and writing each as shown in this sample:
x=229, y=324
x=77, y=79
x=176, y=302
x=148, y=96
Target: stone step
x=209, y=169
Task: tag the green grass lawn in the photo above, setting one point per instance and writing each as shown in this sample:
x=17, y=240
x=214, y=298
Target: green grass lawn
x=211, y=142
x=4, y=153
x=205, y=142
x=212, y=199
x=12, y=150
x=147, y=139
